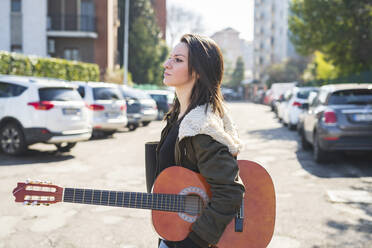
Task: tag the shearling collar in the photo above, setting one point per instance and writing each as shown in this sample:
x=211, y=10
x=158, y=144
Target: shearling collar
x=222, y=130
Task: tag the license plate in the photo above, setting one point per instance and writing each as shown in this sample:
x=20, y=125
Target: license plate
x=70, y=111
x=363, y=117
x=112, y=115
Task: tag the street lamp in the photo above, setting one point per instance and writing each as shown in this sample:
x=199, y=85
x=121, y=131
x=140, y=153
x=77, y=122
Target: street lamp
x=125, y=50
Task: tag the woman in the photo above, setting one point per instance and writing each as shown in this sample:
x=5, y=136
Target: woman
x=200, y=136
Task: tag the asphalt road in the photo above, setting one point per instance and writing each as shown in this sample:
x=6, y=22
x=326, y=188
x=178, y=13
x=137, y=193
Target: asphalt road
x=328, y=205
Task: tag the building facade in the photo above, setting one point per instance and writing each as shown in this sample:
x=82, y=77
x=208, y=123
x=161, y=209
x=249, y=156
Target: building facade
x=82, y=30
x=271, y=40
x=160, y=8
x=23, y=26
x=232, y=47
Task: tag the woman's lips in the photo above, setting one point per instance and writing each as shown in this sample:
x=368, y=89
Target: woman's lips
x=166, y=74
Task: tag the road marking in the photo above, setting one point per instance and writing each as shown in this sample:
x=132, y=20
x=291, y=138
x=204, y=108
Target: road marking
x=349, y=196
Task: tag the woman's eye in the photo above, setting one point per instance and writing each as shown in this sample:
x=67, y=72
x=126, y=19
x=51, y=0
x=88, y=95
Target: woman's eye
x=178, y=60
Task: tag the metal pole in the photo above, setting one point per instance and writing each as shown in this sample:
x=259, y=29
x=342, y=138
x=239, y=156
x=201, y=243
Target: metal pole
x=125, y=50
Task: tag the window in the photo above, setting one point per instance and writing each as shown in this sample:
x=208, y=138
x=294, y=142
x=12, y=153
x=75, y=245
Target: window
x=11, y=90
x=59, y=94
x=16, y=48
x=81, y=91
x=106, y=94
x=16, y=6
x=72, y=54
x=355, y=96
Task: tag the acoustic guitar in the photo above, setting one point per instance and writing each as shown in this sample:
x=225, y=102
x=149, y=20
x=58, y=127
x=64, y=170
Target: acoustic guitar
x=178, y=198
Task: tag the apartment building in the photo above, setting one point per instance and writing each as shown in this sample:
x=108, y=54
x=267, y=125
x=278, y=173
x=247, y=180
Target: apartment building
x=232, y=47
x=271, y=39
x=84, y=30
x=23, y=26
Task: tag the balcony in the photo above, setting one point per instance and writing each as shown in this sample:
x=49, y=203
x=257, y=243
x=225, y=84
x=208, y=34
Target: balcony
x=83, y=26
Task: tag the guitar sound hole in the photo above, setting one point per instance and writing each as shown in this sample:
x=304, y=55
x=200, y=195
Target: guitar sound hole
x=193, y=205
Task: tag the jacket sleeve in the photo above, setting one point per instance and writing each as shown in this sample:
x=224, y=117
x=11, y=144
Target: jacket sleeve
x=220, y=169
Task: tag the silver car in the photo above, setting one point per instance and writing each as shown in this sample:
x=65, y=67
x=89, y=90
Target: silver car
x=108, y=108
x=339, y=119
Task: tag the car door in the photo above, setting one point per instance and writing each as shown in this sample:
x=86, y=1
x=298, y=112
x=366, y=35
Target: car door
x=4, y=96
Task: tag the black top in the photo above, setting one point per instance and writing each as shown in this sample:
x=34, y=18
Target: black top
x=166, y=151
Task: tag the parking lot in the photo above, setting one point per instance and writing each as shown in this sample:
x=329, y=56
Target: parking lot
x=318, y=205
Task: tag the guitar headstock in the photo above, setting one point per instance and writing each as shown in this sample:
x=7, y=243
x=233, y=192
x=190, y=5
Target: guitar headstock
x=37, y=192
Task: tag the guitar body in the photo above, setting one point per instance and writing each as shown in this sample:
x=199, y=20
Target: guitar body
x=259, y=206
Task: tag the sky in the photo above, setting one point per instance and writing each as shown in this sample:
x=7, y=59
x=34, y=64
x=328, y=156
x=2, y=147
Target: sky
x=220, y=14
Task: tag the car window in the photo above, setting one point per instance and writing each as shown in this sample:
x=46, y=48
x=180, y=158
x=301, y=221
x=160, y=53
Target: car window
x=81, y=91
x=303, y=94
x=355, y=96
x=322, y=97
x=159, y=98
x=59, y=94
x=106, y=93
x=11, y=90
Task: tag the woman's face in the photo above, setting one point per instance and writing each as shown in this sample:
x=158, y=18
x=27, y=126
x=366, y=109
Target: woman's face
x=176, y=73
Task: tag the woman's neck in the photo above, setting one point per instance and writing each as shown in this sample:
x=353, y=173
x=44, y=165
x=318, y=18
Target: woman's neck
x=183, y=96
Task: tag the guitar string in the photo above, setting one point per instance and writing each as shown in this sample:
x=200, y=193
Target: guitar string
x=190, y=207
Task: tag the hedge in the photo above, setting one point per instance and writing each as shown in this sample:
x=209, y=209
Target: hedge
x=19, y=64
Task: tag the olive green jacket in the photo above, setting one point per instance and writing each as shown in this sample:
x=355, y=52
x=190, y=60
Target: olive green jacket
x=208, y=144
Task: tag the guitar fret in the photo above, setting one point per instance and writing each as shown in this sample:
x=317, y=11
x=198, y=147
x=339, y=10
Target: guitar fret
x=105, y=195
x=73, y=198
x=116, y=199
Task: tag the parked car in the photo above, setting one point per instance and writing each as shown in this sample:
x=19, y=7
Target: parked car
x=293, y=108
x=35, y=110
x=149, y=109
x=134, y=113
x=339, y=119
x=305, y=107
x=164, y=100
x=278, y=89
x=282, y=104
x=108, y=108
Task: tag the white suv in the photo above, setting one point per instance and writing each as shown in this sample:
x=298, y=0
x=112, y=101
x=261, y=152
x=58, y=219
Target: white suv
x=108, y=108
x=34, y=110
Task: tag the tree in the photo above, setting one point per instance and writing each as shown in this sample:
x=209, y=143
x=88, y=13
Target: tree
x=287, y=71
x=147, y=51
x=340, y=29
x=238, y=74
x=181, y=21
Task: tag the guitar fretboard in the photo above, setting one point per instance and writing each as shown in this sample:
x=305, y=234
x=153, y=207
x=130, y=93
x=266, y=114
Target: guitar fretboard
x=163, y=202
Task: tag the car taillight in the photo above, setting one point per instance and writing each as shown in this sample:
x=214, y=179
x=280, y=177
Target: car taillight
x=96, y=107
x=329, y=117
x=296, y=104
x=43, y=105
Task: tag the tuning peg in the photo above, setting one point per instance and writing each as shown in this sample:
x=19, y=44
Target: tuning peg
x=25, y=203
x=46, y=204
x=34, y=203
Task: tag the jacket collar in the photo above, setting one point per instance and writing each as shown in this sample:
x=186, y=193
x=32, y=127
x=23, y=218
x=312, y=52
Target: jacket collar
x=220, y=129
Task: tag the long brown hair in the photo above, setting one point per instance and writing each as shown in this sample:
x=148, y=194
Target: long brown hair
x=205, y=59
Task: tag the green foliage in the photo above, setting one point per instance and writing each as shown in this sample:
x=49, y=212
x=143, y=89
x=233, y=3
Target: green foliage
x=340, y=29
x=288, y=71
x=19, y=64
x=147, y=51
x=238, y=74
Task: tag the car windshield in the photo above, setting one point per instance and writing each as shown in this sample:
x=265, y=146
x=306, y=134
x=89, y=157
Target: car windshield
x=304, y=94
x=159, y=98
x=355, y=96
x=133, y=93
x=106, y=93
x=59, y=94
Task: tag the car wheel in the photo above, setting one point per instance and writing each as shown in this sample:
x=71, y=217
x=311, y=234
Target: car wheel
x=132, y=127
x=304, y=143
x=65, y=147
x=108, y=133
x=12, y=139
x=146, y=123
x=319, y=154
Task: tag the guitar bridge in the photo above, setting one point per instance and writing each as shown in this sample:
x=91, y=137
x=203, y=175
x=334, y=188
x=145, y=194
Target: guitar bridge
x=239, y=218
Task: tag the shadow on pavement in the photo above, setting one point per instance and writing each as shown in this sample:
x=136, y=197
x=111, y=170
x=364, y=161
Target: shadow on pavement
x=34, y=157
x=280, y=133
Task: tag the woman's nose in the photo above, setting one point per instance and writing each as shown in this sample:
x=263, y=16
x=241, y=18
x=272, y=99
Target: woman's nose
x=167, y=63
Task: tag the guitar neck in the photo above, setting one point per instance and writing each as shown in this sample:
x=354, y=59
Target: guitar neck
x=162, y=202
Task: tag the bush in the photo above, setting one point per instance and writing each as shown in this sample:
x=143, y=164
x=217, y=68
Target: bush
x=18, y=64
